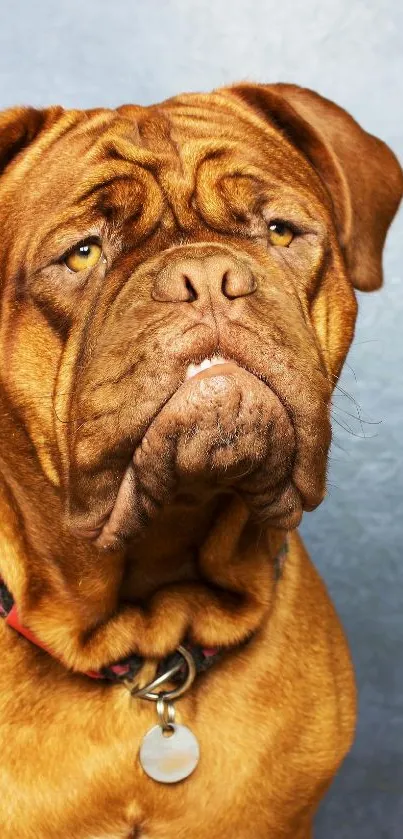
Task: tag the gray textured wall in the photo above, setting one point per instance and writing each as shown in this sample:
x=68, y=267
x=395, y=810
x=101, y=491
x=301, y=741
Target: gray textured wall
x=89, y=52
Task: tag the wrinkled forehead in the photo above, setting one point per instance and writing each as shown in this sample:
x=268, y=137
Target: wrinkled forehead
x=122, y=160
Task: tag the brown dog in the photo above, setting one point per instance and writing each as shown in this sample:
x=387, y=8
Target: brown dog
x=145, y=496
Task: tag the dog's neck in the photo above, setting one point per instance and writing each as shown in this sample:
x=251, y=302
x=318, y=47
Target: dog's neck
x=168, y=551
x=196, y=554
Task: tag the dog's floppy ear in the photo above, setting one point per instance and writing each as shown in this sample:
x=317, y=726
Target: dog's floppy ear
x=19, y=127
x=362, y=175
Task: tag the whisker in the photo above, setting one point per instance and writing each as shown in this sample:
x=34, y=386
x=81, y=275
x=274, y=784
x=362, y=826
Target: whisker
x=332, y=486
x=346, y=364
x=347, y=395
x=353, y=433
x=355, y=417
x=338, y=445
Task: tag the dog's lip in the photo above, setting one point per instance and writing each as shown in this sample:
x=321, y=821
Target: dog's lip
x=215, y=366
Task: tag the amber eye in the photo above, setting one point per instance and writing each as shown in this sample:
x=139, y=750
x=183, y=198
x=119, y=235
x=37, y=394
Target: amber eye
x=280, y=234
x=85, y=255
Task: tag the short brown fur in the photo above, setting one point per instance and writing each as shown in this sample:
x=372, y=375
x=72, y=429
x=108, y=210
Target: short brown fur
x=93, y=369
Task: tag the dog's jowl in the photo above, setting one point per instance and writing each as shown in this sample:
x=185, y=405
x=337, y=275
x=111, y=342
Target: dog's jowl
x=177, y=299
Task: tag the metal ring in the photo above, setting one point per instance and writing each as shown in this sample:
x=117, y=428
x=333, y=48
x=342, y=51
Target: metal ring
x=147, y=691
x=141, y=693
x=166, y=714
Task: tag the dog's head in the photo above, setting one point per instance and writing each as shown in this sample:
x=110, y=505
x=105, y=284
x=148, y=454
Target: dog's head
x=177, y=296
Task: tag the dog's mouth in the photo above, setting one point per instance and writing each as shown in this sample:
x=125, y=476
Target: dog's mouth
x=223, y=428
x=208, y=367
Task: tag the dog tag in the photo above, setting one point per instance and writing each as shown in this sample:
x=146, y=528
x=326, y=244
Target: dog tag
x=169, y=756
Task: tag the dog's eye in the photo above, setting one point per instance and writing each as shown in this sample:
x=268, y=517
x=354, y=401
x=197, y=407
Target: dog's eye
x=85, y=255
x=280, y=234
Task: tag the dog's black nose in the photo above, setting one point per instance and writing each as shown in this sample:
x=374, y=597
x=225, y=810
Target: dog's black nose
x=203, y=279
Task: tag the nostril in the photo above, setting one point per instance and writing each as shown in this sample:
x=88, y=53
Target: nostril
x=237, y=282
x=224, y=284
x=230, y=285
x=191, y=292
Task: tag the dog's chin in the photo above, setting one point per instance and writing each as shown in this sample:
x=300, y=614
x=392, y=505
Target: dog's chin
x=222, y=430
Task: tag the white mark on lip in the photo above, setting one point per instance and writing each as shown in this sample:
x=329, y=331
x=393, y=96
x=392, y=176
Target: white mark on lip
x=194, y=369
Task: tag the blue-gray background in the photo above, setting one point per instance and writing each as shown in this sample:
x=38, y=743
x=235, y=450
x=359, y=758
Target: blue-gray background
x=97, y=52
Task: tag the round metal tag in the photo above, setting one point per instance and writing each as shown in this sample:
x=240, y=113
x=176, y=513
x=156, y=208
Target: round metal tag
x=169, y=757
